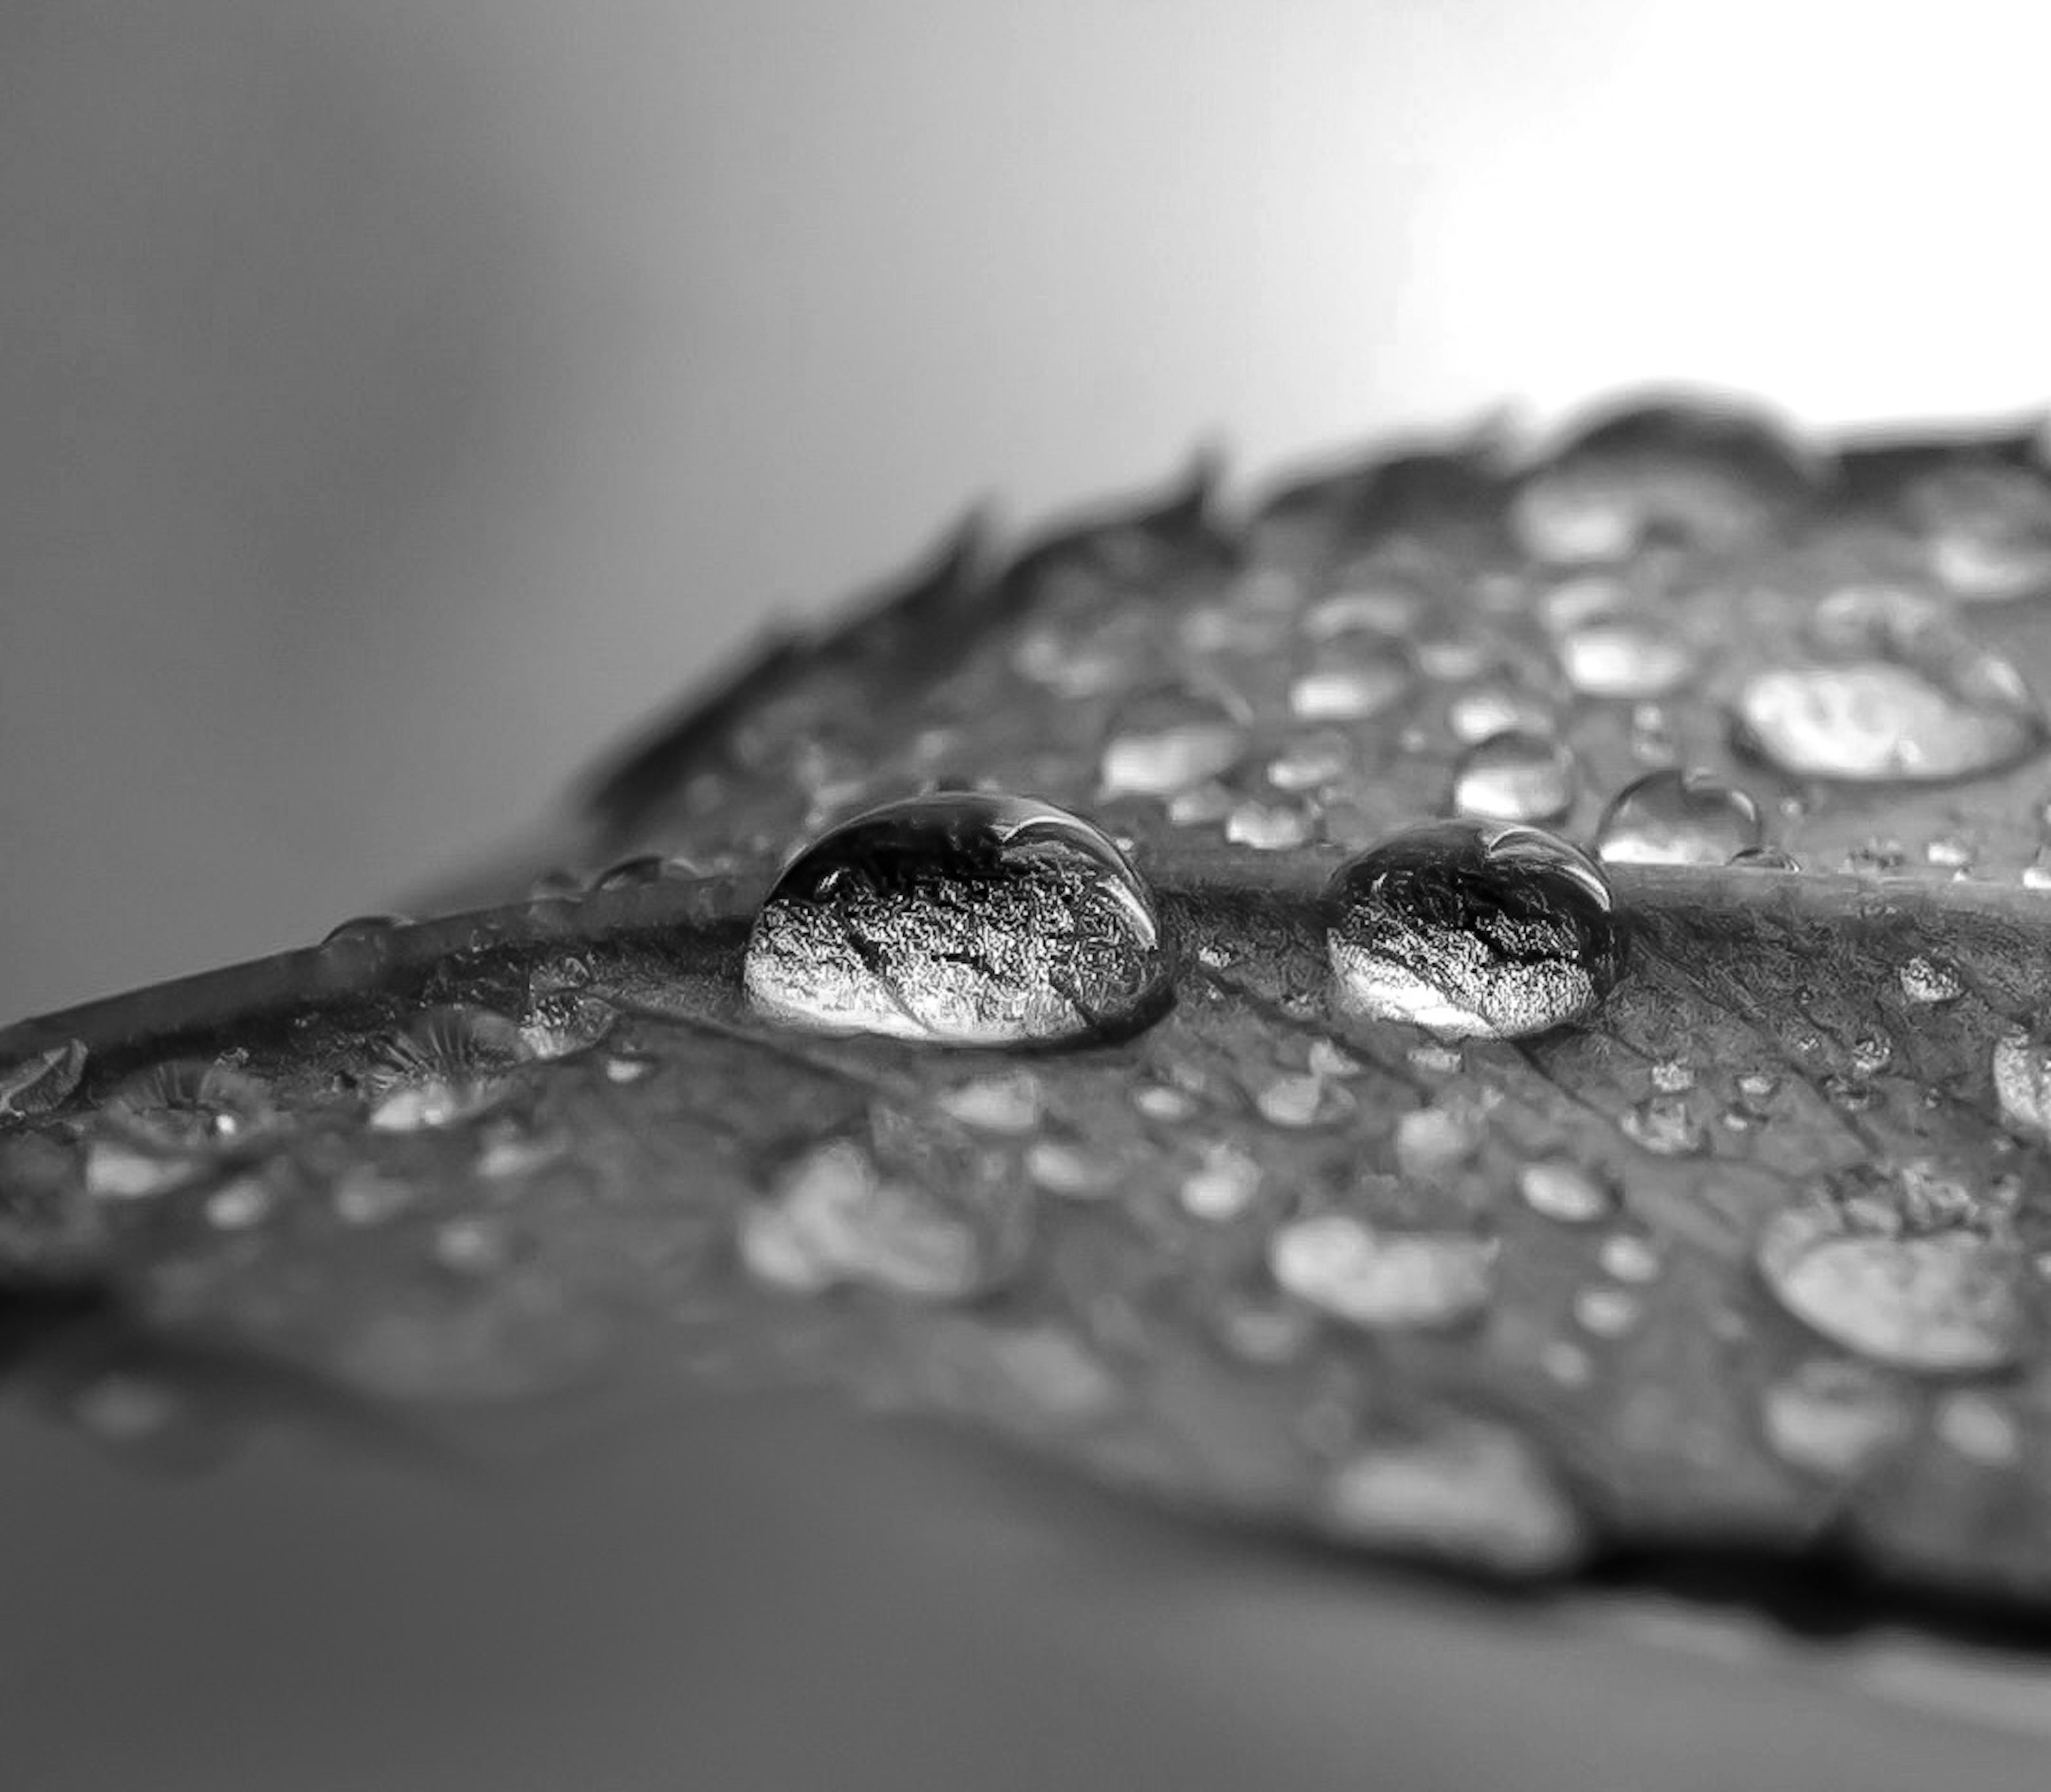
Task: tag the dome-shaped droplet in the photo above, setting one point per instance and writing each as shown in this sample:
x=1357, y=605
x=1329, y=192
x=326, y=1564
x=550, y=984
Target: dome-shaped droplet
x=1834, y=1417
x=1900, y=694
x=1516, y=776
x=38, y=1082
x=448, y=1064
x=188, y=1104
x=1678, y=817
x=1944, y=1301
x=964, y=919
x=1471, y=929
x=169, y=1124
x=1564, y=1191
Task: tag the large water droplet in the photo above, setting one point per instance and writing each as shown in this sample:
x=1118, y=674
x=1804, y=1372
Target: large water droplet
x=1471, y=929
x=1516, y=776
x=1370, y=1277
x=1678, y=817
x=1469, y=1491
x=962, y=919
x=450, y=1064
x=1940, y=1301
x=1903, y=695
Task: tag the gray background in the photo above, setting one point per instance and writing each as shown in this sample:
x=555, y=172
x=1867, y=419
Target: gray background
x=398, y=398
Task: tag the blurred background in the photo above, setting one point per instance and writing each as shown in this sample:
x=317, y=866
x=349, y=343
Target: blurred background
x=399, y=400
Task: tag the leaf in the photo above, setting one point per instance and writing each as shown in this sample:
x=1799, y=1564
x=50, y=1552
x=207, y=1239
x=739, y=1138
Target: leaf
x=1746, y=1257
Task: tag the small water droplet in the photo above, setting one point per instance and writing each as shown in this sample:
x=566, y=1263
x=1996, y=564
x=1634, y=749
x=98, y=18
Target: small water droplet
x=1070, y=1170
x=1567, y=1363
x=188, y=1105
x=1469, y=1491
x=1372, y=1278
x=1166, y=744
x=1010, y=1103
x=837, y=1219
x=629, y=1067
x=1482, y=710
x=2021, y=1068
x=1978, y=1427
x=1622, y=657
x=1903, y=695
x=1268, y=827
x=1667, y=1125
x=1432, y=1143
x=1944, y=1302
x=1164, y=1101
x=1926, y=981
x=1607, y=1312
x=1563, y=1191
x=562, y=1024
x=1302, y=1101
x=365, y=1197
x=1678, y=817
x=1222, y=1186
x=39, y=1081
x=1471, y=929
x=964, y=919
x=451, y=1062
x=1832, y=1417
x=1517, y=777
x=1765, y=858
x=1311, y=762
x=1350, y=681
x=1631, y=1257
x=237, y=1205
x=1673, y=1077
x=366, y=927
x=472, y=1245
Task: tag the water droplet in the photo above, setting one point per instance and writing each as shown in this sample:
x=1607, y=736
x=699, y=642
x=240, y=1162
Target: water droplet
x=1673, y=1077
x=1765, y=858
x=1987, y=528
x=1608, y=1312
x=1517, y=777
x=562, y=1024
x=1943, y=1302
x=472, y=1245
x=629, y=1067
x=1926, y=981
x=1167, y=742
x=449, y=1063
x=366, y=927
x=1567, y=1363
x=1678, y=817
x=1350, y=681
x=1620, y=657
x=2021, y=1069
x=1070, y=1170
x=1469, y=1491
x=837, y=1219
x=1666, y=1124
x=961, y=919
x=1311, y=762
x=1432, y=1143
x=1267, y=827
x=188, y=1105
x=1010, y=1103
x=1831, y=1417
x=365, y=1197
x=1475, y=714
x=237, y=1205
x=1471, y=929
x=1164, y=1101
x=1904, y=695
x=1222, y=1186
x=1368, y=1276
x=1979, y=1427
x=1564, y=1192
x=1631, y=1257
x=38, y=1082
x=1303, y=1101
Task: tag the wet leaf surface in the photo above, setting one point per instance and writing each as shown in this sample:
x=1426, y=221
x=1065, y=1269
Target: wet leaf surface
x=1713, y=1217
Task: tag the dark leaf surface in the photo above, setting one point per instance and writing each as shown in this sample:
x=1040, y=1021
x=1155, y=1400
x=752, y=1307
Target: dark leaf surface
x=1750, y=1257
